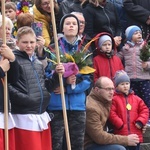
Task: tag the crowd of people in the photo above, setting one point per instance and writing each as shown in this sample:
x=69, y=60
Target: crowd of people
x=106, y=82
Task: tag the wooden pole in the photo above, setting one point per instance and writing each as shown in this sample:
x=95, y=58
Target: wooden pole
x=5, y=81
x=60, y=76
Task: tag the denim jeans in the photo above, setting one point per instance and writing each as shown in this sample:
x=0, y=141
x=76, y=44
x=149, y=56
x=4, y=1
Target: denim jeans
x=105, y=147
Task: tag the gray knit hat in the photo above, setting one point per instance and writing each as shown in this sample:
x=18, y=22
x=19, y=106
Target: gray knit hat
x=63, y=19
x=103, y=39
x=121, y=76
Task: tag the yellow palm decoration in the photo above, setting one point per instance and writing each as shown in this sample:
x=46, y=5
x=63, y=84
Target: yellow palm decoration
x=81, y=58
x=69, y=57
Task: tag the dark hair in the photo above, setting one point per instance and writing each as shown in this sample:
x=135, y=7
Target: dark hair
x=98, y=83
x=38, y=4
x=66, y=16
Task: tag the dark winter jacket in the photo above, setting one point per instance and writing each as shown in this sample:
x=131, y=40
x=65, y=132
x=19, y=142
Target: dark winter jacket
x=76, y=6
x=64, y=7
x=138, y=12
x=121, y=14
x=29, y=95
x=124, y=119
x=11, y=78
x=101, y=19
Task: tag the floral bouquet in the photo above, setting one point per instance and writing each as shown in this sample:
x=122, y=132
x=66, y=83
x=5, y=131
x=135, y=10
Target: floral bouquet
x=145, y=50
x=23, y=6
x=77, y=62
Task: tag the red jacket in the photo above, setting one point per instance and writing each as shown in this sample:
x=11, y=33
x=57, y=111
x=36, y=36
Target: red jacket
x=104, y=65
x=124, y=119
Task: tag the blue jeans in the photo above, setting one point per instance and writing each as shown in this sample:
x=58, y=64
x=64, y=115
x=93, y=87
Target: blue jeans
x=105, y=147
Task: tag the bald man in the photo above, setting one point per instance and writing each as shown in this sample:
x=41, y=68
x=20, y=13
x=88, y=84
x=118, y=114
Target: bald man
x=97, y=110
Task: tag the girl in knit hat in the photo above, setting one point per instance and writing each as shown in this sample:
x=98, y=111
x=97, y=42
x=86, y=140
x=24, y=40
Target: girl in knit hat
x=69, y=42
x=137, y=70
x=106, y=63
x=128, y=112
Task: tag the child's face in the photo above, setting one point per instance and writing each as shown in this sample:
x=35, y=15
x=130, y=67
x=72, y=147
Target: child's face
x=137, y=36
x=27, y=43
x=106, y=46
x=70, y=27
x=124, y=87
x=10, y=13
x=8, y=32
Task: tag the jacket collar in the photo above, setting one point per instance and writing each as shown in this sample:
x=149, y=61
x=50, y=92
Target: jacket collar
x=132, y=44
x=98, y=98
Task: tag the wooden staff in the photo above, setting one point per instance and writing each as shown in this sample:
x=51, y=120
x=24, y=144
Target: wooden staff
x=5, y=81
x=60, y=76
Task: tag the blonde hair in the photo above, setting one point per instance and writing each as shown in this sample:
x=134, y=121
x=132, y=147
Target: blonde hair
x=7, y=21
x=23, y=31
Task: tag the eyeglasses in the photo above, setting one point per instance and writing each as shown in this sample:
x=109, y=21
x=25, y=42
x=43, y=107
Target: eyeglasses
x=107, y=89
x=45, y=4
x=82, y=22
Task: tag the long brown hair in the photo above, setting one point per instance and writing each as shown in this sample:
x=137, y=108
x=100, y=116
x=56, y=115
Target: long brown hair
x=38, y=4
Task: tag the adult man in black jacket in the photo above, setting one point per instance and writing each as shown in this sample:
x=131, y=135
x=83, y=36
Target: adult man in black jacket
x=139, y=14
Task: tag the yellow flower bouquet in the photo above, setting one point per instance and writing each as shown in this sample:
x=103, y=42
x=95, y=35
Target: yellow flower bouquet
x=81, y=58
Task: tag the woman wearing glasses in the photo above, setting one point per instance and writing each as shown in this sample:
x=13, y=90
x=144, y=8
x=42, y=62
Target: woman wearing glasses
x=42, y=13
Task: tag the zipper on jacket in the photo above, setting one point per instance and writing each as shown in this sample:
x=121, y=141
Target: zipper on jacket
x=110, y=69
x=128, y=115
x=39, y=85
x=134, y=65
x=108, y=21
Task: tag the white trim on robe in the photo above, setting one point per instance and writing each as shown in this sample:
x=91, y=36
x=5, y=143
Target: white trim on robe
x=11, y=122
x=32, y=122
